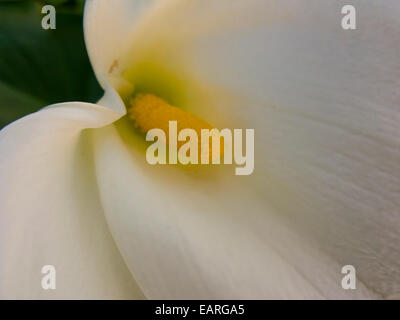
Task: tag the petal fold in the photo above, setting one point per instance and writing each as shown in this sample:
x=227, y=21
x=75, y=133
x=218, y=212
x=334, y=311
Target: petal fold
x=50, y=213
x=108, y=28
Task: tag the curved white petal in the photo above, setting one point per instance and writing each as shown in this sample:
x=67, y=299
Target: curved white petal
x=108, y=27
x=50, y=212
x=197, y=235
x=325, y=106
x=324, y=103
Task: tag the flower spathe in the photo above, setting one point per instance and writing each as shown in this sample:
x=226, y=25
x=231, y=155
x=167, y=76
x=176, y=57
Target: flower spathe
x=324, y=193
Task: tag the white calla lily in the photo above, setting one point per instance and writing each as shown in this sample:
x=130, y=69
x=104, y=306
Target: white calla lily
x=325, y=191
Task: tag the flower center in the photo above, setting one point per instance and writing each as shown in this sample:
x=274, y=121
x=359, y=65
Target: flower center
x=151, y=112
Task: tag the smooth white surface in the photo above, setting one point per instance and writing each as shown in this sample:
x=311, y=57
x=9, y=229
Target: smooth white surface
x=325, y=106
x=50, y=212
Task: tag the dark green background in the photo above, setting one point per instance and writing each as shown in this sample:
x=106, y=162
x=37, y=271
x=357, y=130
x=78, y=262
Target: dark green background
x=41, y=67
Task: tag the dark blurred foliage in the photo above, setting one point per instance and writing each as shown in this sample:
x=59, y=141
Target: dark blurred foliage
x=40, y=67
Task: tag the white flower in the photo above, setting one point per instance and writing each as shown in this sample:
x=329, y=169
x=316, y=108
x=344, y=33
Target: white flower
x=325, y=106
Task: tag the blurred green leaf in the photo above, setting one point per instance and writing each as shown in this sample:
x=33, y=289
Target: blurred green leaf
x=41, y=67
